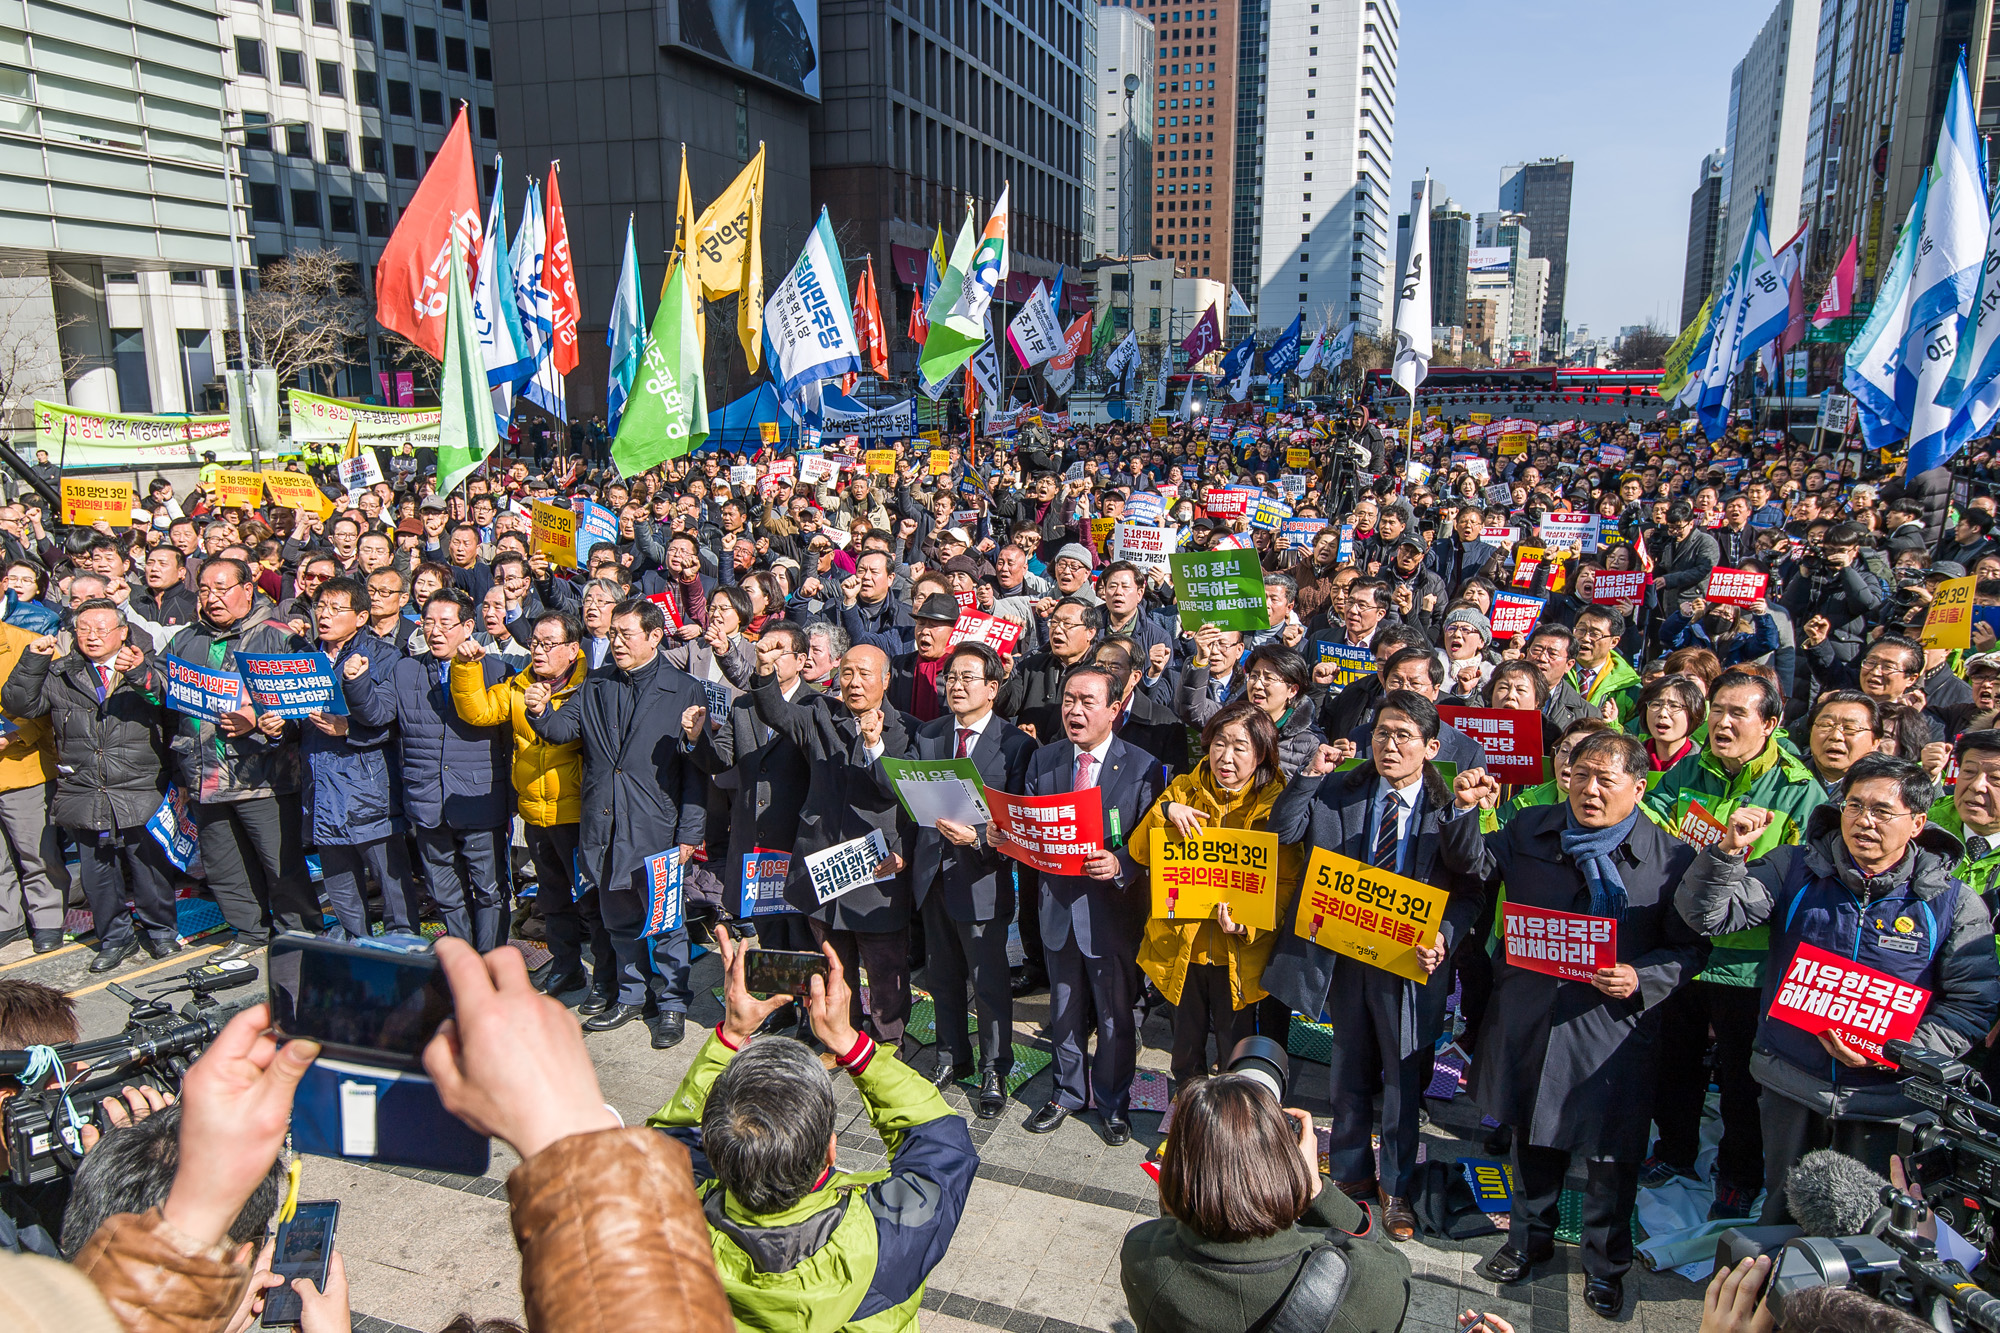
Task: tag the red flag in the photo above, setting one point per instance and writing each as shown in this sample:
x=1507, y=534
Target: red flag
x=1838, y=299
x=919, y=326
x=559, y=281
x=410, y=281
x=868, y=323
x=1204, y=338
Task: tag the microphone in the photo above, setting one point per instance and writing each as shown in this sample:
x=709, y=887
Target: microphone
x=1832, y=1194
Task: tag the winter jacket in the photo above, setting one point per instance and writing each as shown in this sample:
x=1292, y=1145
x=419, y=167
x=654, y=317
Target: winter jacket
x=548, y=779
x=354, y=783
x=1616, y=681
x=211, y=767
x=111, y=754
x=1031, y=696
x=451, y=768
x=1849, y=598
x=1981, y=873
x=1681, y=564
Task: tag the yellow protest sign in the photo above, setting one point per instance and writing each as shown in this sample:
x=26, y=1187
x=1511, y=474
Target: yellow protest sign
x=940, y=462
x=767, y=431
x=86, y=501
x=1100, y=533
x=1234, y=866
x=1526, y=560
x=240, y=490
x=295, y=490
x=934, y=436
x=1481, y=418
x=1159, y=426
x=882, y=462
x=1948, y=624
x=1514, y=444
x=1365, y=913
x=1434, y=411
x=555, y=533
x=1298, y=457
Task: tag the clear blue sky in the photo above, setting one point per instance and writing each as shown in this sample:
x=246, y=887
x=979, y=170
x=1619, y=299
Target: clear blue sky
x=1633, y=94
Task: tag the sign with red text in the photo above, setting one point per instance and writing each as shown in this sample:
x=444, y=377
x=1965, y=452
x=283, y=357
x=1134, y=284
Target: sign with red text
x=1569, y=945
x=1618, y=585
x=1863, y=1008
x=1569, y=532
x=1735, y=587
x=1366, y=913
x=1051, y=833
x=1223, y=865
x=669, y=608
x=999, y=634
x=1515, y=613
x=1228, y=503
x=1700, y=829
x=1511, y=737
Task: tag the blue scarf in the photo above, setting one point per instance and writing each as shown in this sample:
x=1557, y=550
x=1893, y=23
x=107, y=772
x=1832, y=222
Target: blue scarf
x=1592, y=849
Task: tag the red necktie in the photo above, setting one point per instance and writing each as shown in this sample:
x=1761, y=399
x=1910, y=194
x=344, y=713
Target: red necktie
x=964, y=741
x=1083, y=780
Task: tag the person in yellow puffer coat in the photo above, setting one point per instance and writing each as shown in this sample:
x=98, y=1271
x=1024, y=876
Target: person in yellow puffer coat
x=34, y=882
x=548, y=783
x=1211, y=968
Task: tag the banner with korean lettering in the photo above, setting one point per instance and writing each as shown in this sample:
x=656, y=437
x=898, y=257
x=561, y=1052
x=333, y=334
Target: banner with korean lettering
x=882, y=462
x=1512, y=739
x=1145, y=548
x=173, y=827
x=1515, y=613
x=1191, y=876
x=1228, y=503
x=1362, y=912
x=1862, y=1008
x=1267, y=514
x=330, y=421
x=292, y=684
x=663, y=894
x=847, y=866
x=77, y=437
x=295, y=491
x=1948, y=623
x=1299, y=534
x=238, y=490
x=1699, y=828
x=1569, y=945
x=1351, y=664
x=201, y=692
x=555, y=533
x=764, y=875
x=1569, y=532
x=996, y=632
x=1735, y=587
x=88, y=500
x=1618, y=585
x=1054, y=834
x=594, y=524
x=1223, y=588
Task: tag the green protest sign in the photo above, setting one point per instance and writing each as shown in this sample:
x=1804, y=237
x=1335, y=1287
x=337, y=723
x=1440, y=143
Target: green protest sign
x=934, y=789
x=1221, y=588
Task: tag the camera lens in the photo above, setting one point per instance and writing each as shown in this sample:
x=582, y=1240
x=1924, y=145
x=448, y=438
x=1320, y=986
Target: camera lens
x=1263, y=1060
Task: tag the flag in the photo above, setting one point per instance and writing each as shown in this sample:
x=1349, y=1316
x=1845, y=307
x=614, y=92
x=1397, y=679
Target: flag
x=1310, y=361
x=1413, y=304
x=726, y=253
x=1124, y=356
x=868, y=324
x=1204, y=337
x=1838, y=298
x=1237, y=310
x=946, y=349
x=809, y=320
x=1060, y=372
x=1974, y=382
x=1951, y=253
x=352, y=449
x=958, y=312
x=1283, y=354
x=1341, y=350
x=1674, y=365
x=1872, y=358
x=409, y=296
x=531, y=302
x=1723, y=361
x=984, y=368
x=667, y=415
x=625, y=334
x=1035, y=333
x=934, y=262
x=1236, y=367
x=1100, y=337
x=466, y=433
x=1767, y=306
x=495, y=322
x=559, y=285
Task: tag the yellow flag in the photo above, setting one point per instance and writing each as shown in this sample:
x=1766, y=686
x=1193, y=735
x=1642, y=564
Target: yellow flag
x=353, y=449
x=726, y=254
x=1675, y=362
x=684, y=225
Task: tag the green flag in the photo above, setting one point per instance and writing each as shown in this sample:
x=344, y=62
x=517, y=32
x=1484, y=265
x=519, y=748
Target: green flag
x=466, y=433
x=1675, y=362
x=1100, y=337
x=946, y=348
x=667, y=414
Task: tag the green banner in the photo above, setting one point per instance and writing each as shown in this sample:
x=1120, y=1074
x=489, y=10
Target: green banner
x=934, y=789
x=329, y=420
x=1224, y=588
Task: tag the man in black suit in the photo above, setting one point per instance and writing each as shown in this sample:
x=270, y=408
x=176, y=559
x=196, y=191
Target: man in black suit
x=1092, y=923
x=963, y=885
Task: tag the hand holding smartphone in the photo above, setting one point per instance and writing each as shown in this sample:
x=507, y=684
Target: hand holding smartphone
x=781, y=971
x=303, y=1248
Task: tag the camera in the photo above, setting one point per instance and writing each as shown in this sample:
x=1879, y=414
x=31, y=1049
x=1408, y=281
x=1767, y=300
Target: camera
x=1261, y=1060
x=1951, y=1150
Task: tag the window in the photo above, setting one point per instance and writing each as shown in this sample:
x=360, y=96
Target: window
x=427, y=44
x=305, y=209
x=197, y=367
x=488, y=127
x=330, y=84
x=377, y=214
x=479, y=10
x=265, y=204
x=128, y=355
x=285, y=7
x=336, y=148
x=454, y=54
x=298, y=142
x=432, y=102
x=366, y=91
x=1155, y=284
x=339, y=213
x=393, y=38
x=406, y=162
x=400, y=99
x=292, y=69
x=323, y=15
x=372, y=156
x=250, y=57
x=253, y=136
x=132, y=278
x=482, y=63
x=185, y=277
x=361, y=22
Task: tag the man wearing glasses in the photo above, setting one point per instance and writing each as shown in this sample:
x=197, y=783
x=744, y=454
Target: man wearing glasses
x=1032, y=695
x=241, y=773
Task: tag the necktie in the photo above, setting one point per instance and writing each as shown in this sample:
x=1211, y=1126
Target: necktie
x=103, y=682
x=1976, y=846
x=964, y=741
x=1084, y=780
x=1386, y=833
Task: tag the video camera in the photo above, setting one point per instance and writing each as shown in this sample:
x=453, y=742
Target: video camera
x=42, y=1121
x=1952, y=1149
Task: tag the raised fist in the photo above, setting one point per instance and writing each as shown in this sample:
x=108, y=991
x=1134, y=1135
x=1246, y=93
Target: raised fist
x=1746, y=823
x=1476, y=787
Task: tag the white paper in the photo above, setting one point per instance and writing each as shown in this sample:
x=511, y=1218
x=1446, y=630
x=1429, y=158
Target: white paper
x=846, y=866
x=953, y=798
x=357, y=1119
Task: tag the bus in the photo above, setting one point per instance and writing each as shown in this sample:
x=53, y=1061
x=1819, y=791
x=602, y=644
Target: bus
x=1508, y=381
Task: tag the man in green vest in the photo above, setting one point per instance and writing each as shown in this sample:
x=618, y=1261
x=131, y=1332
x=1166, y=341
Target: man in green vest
x=1601, y=673
x=1742, y=766
x=1971, y=812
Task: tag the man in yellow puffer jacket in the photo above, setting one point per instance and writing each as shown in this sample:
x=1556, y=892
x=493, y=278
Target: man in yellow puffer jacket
x=548, y=783
x=33, y=880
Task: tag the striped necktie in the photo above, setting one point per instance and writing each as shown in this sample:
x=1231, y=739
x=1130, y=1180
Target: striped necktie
x=1385, y=832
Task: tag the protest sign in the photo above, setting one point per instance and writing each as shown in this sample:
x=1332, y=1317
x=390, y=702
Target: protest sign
x=1224, y=588
x=1527, y=560
x=1266, y=514
x=1366, y=913
x=1054, y=834
x=882, y=462
x=1700, y=828
x=1618, y=585
x=1235, y=866
x=1569, y=532
x=940, y=464
x=1862, y=1008
x=1512, y=739
x=1299, y=534
x=240, y=490
x=1146, y=510
x=1146, y=548
x=1354, y=663
x=764, y=874
x=1492, y=1183
x=669, y=607
x=1480, y=418
x=846, y=866
x=359, y=472
x=201, y=692
x=319, y=420
x=1503, y=538
x=172, y=826
x=1570, y=945
x=1228, y=502
x=594, y=524
x=555, y=533
x=295, y=491
x=1515, y=613
x=743, y=476
x=1948, y=623
x=663, y=894
x=1500, y=494
x=1298, y=457
x=967, y=599
x=780, y=471
x=292, y=684
x=767, y=432
x=934, y=789
x=816, y=469
x=86, y=501
x=1735, y=587
x=995, y=632
x=1100, y=533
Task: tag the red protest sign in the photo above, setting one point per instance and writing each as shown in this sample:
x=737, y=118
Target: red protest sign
x=1618, y=585
x=1570, y=945
x=1051, y=833
x=670, y=608
x=978, y=627
x=1863, y=1008
x=967, y=600
x=1512, y=739
x=1735, y=587
x=1699, y=828
x=1227, y=504
x=1515, y=613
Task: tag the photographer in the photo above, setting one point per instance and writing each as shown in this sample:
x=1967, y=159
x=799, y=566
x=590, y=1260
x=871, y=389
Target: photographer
x=1833, y=597
x=1872, y=883
x=1248, y=1234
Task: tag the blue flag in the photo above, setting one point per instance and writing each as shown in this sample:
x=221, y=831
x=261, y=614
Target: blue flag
x=625, y=335
x=1950, y=256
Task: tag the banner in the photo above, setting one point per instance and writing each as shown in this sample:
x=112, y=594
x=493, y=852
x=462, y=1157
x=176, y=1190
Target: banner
x=1054, y=834
x=1298, y=457
x=295, y=490
x=1735, y=587
x=1618, y=585
x=1267, y=514
x=817, y=470
x=934, y=789
x=1512, y=739
x=1352, y=663
x=318, y=420
x=1527, y=560
x=1699, y=828
x=172, y=826
x=1035, y=333
x=1299, y=534
x=663, y=894
x=1191, y=876
x=1515, y=613
x=809, y=320
x=1362, y=912
x=1948, y=623
x=1228, y=502
x=764, y=873
x=594, y=524
x=76, y=438
x=940, y=463
x=359, y=472
x=1569, y=945
x=1224, y=588
x=238, y=490
x=847, y=866
x=292, y=684
x=203, y=693
x=85, y=502
x=882, y=462
x=555, y=533
x=1146, y=548
x=891, y=423
x=1569, y=532
x=996, y=632
x=1862, y=1008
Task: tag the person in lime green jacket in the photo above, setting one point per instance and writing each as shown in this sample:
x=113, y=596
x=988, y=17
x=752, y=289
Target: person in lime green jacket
x=1743, y=765
x=1971, y=813
x=799, y=1244
x=1601, y=673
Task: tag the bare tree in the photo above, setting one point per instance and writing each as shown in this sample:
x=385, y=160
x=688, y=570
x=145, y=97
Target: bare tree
x=1643, y=349
x=34, y=360
x=305, y=315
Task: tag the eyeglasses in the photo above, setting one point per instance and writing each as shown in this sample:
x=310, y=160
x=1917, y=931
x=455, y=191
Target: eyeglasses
x=1266, y=678
x=1826, y=726
x=218, y=589
x=1065, y=624
x=960, y=678
x=1874, y=814
x=1399, y=740
x=547, y=645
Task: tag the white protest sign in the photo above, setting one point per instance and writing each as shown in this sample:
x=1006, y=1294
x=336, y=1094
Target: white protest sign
x=846, y=866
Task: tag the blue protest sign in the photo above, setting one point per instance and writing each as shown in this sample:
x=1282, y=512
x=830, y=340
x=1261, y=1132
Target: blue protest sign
x=201, y=692
x=594, y=524
x=292, y=684
x=764, y=874
x=172, y=826
x=1354, y=663
x=663, y=893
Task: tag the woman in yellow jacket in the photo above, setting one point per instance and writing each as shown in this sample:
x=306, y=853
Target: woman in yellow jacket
x=1211, y=969
x=548, y=782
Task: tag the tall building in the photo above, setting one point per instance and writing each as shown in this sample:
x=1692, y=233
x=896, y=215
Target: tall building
x=1195, y=109
x=1704, y=244
x=1316, y=140
x=1772, y=87
x=1125, y=45
x=1528, y=334
x=1451, y=251
x=1540, y=191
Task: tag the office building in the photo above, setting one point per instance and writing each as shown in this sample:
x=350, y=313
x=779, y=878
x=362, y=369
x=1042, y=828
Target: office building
x=1482, y=313
x=1527, y=335
x=1706, y=215
x=1772, y=87
x=1156, y=296
x=1492, y=329
x=1125, y=45
x=1195, y=106
x=1540, y=192
x=1451, y=252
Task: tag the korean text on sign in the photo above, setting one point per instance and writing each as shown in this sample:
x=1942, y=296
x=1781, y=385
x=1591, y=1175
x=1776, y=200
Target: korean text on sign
x=1512, y=739
x=1699, y=828
x=1054, y=834
x=1515, y=613
x=977, y=627
x=764, y=874
x=1570, y=945
x=201, y=692
x=1948, y=623
x=847, y=866
x=1862, y=1007
x=1621, y=585
x=1735, y=587
x=1365, y=913
x=292, y=684
x=1352, y=663
x=663, y=893
x=1234, y=866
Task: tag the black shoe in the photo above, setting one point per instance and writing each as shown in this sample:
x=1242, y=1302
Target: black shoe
x=1604, y=1295
x=1046, y=1119
x=617, y=1016
x=1509, y=1266
x=164, y=947
x=1117, y=1129
x=991, y=1099
x=949, y=1072
x=561, y=981
x=109, y=956
x=48, y=941
x=668, y=1029
x=235, y=951
x=1028, y=981
x=594, y=1003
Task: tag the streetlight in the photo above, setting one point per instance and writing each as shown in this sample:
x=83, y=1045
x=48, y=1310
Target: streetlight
x=229, y=174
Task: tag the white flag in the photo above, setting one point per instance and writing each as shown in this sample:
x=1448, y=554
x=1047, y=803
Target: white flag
x=985, y=366
x=1413, y=302
x=809, y=319
x=1123, y=356
x=1310, y=360
x=1035, y=332
x=1236, y=306
x=533, y=307
x=1340, y=350
x=494, y=323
